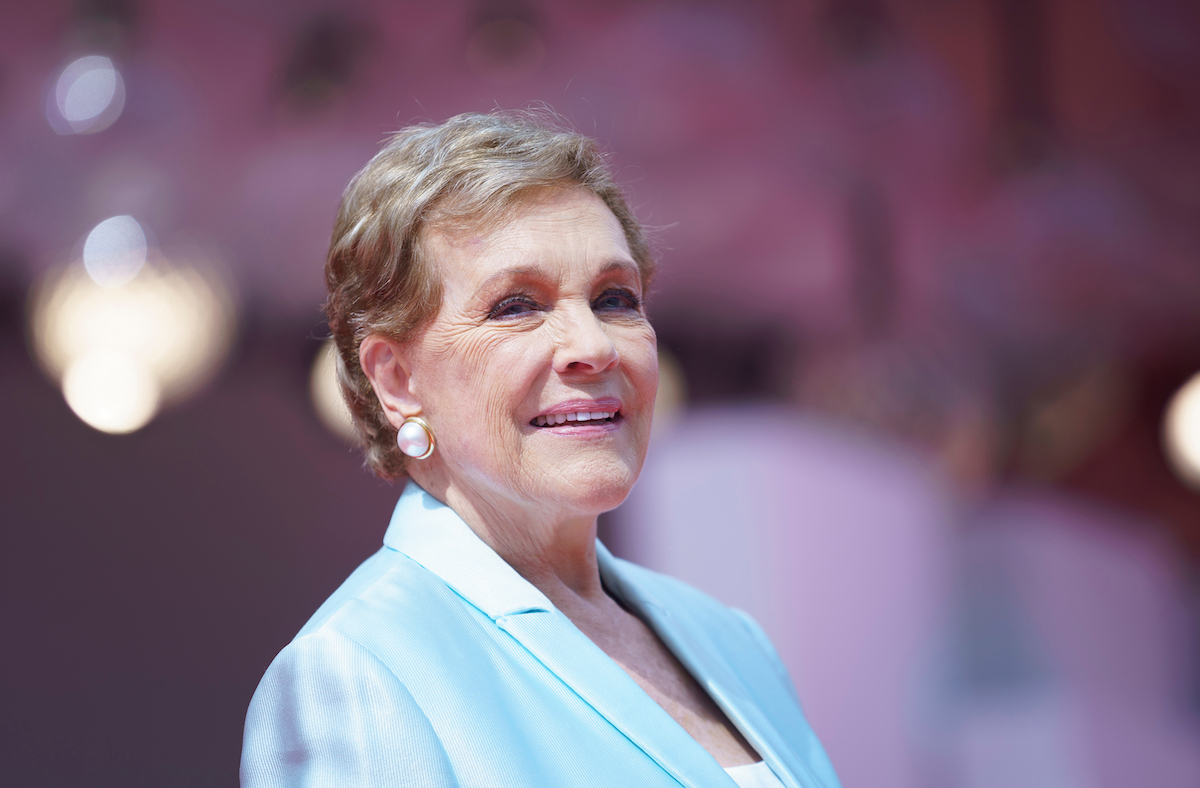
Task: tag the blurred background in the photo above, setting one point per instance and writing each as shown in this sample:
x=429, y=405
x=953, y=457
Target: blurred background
x=929, y=309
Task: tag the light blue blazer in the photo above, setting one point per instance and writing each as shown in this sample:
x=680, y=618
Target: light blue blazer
x=436, y=664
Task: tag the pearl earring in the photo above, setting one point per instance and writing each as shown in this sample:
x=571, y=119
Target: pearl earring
x=415, y=438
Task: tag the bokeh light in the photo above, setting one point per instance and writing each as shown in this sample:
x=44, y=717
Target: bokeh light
x=327, y=395
x=111, y=390
x=1181, y=432
x=671, y=398
x=87, y=97
x=115, y=250
x=170, y=323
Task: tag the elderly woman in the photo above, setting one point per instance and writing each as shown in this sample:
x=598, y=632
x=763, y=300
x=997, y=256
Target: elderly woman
x=487, y=287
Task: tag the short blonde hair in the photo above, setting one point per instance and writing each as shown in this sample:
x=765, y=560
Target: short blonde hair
x=466, y=173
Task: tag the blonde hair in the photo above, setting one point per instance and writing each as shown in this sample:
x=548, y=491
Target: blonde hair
x=466, y=173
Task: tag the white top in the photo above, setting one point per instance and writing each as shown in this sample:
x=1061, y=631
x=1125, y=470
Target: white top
x=754, y=775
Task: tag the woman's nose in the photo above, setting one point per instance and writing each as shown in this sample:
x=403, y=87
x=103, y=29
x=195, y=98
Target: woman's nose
x=584, y=346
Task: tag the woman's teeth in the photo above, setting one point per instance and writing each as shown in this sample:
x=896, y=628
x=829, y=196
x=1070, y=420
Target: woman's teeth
x=563, y=418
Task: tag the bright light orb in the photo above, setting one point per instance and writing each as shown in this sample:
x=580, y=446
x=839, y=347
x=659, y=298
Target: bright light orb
x=177, y=321
x=115, y=250
x=174, y=322
x=111, y=391
x=327, y=394
x=88, y=96
x=1181, y=432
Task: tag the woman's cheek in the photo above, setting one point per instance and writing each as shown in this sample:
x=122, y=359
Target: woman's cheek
x=468, y=356
x=645, y=364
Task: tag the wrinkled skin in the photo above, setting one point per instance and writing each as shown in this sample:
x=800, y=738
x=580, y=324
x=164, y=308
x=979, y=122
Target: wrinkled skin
x=546, y=308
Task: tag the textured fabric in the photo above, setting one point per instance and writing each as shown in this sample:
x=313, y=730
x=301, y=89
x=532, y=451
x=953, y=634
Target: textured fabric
x=436, y=664
x=754, y=775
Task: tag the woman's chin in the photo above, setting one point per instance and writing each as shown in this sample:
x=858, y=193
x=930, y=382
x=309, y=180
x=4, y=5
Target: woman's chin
x=592, y=489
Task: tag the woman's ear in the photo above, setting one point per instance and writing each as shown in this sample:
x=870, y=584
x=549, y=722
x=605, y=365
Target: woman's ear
x=385, y=363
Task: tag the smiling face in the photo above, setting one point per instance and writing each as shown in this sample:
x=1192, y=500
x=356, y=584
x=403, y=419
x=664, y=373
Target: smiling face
x=539, y=372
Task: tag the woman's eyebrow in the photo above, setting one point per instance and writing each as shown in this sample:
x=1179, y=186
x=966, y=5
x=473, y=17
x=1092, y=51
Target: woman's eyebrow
x=532, y=271
x=515, y=272
x=621, y=264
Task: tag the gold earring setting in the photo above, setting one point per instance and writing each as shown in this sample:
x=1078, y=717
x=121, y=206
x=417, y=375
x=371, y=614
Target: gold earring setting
x=415, y=438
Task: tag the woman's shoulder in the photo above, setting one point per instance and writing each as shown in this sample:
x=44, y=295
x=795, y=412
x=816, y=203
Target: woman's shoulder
x=360, y=581
x=388, y=592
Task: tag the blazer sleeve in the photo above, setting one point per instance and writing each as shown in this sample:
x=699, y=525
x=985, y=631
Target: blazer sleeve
x=329, y=713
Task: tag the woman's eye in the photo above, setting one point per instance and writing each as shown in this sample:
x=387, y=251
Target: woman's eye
x=512, y=307
x=617, y=299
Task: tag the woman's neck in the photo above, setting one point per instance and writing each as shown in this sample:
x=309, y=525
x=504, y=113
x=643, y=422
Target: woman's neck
x=554, y=551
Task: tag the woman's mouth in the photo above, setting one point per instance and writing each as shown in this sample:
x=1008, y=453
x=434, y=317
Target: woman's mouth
x=582, y=418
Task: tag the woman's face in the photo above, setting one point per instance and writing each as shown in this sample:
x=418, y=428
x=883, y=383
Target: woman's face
x=542, y=321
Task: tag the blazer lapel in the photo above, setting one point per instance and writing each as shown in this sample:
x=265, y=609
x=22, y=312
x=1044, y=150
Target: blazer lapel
x=713, y=674
x=435, y=537
x=603, y=685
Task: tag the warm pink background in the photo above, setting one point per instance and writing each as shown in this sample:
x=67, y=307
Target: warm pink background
x=931, y=269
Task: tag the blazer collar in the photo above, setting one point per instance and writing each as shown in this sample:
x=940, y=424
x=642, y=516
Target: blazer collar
x=430, y=533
